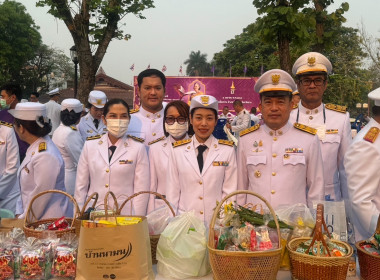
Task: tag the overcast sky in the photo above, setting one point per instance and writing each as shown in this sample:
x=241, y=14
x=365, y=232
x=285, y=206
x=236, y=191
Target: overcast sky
x=174, y=28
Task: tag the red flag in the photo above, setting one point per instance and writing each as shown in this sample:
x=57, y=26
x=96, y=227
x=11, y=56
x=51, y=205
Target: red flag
x=180, y=69
x=148, y=66
x=164, y=68
x=132, y=67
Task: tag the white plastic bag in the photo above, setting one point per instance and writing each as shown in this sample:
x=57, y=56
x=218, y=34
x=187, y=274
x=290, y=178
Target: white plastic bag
x=182, y=248
x=158, y=220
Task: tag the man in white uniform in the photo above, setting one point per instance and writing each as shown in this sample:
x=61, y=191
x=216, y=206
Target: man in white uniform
x=331, y=121
x=362, y=167
x=91, y=124
x=53, y=110
x=226, y=114
x=242, y=120
x=279, y=160
x=147, y=122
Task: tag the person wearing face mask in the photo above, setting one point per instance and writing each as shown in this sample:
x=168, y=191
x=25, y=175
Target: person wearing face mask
x=114, y=162
x=11, y=95
x=176, y=127
x=202, y=169
x=68, y=140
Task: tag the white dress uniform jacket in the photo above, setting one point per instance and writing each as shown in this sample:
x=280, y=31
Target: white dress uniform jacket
x=188, y=189
x=159, y=152
x=126, y=174
x=9, y=163
x=241, y=122
x=43, y=169
x=283, y=166
x=362, y=162
x=146, y=125
x=335, y=137
x=53, y=112
x=70, y=143
x=87, y=127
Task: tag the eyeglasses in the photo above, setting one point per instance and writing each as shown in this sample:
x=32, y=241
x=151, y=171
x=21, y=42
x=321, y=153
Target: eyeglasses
x=180, y=120
x=317, y=82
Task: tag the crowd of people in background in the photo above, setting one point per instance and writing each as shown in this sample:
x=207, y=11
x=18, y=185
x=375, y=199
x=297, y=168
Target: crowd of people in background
x=297, y=149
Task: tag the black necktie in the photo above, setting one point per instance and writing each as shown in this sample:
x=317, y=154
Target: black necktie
x=112, y=149
x=96, y=123
x=201, y=149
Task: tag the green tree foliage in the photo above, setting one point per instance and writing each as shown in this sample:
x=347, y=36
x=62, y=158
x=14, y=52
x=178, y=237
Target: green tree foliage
x=197, y=64
x=19, y=38
x=93, y=24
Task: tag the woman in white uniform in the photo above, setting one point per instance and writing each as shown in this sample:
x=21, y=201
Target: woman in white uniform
x=68, y=140
x=114, y=162
x=42, y=168
x=9, y=163
x=202, y=169
x=176, y=127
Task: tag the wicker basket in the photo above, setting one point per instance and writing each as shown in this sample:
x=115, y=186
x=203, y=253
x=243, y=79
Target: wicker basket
x=78, y=221
x=260, y=265
x=29, y=225
x=368, y=263
x=310, y=267
x=153, y=238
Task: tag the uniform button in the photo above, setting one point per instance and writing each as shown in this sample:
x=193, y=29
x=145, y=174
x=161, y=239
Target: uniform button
x=200, y=197
x=271, y=133
x=153, y=120
x=272, y=191
x=107, y=170
x=274, y=155
x=307, y=112
x=280, y=132
x=257, y=174
x=200, y=183
x=274, y=138
x=158, y=115
x=32, y=153
x=311, y=117
x=147, y=115
x=201, y=212
x=154, y=133
x=316, y=111
x=106, y=185
x=273, y=173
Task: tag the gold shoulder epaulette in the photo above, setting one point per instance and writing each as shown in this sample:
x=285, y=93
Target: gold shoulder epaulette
x=249, y=130
x=226, y=142
x=138, y=139
x=338, y=108
x=372, y=134
x=134, y=111
x=93, y=137
x=42, y=147
x=295, y=106
x=305, y=128
x=181, y=142
x=6, y=124
x=157, y=140
x=73, y=127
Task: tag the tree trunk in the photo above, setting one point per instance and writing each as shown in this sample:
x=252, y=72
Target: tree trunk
x=319, y=29
x=284, y=52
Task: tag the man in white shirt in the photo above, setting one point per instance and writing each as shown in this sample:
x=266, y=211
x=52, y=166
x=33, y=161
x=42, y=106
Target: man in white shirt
x=53, y=110
x=226, y=114
x=242, y=120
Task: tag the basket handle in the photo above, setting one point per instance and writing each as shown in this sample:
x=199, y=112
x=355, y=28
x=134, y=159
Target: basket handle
x=147, y=192
x=94, y=196
x=318, y=236
x=217, y=209
x=106, y=203
x=76, y=207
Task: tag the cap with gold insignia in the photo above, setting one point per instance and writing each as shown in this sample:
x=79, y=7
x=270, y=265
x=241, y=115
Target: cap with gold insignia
x=97, y=98
x=312, y=63
x=54, y=92
x=375, y=96
x=72, y=104
x=204, y=101
x=29, y=111
x=274, y=83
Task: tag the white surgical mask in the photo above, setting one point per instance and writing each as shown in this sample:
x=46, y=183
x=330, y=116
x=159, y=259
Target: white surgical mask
x=3, y=104
x=177, y=130
x=117, y=127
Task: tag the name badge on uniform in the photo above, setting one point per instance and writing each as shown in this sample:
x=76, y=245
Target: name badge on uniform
x=125, y=161
x=331, y=131
x=2, y=142
x=220, y=163
x=294, y=150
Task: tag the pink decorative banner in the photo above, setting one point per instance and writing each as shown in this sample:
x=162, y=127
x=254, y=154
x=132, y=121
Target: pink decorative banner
x=225, y=90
